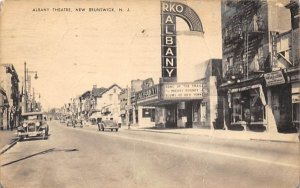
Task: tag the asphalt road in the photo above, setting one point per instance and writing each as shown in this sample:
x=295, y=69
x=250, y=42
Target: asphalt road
x=85, y=157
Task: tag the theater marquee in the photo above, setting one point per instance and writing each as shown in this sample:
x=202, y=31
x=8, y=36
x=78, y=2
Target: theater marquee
x=182, y=91
x=169, y=12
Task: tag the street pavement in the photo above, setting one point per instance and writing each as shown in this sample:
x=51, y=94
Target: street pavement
x=86, y=157
x=7, y=137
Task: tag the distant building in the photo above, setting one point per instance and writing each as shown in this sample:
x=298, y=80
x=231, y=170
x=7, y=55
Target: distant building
x=106, y=102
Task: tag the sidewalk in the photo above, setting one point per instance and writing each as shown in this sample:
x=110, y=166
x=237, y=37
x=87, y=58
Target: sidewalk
x=7, y=139
x=226, y=134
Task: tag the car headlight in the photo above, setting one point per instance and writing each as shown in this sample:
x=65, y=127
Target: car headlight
x=24, y=125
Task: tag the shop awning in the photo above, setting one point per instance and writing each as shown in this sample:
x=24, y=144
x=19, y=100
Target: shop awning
x=256, y=86
x=96, y=115
x=2, y=91
x=256, y=79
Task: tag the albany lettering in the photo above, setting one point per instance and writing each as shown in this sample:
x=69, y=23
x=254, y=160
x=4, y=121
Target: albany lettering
x=168, y=39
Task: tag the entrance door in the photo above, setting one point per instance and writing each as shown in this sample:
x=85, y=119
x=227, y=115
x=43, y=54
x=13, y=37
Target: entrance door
x=171, y=116
x=281, y=107
x=189, y=114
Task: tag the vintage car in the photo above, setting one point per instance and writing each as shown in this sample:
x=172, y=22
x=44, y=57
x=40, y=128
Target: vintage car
x=62, y=119
x=74, y=122
x=32, y=124
x=69, y=121
x=108, y=124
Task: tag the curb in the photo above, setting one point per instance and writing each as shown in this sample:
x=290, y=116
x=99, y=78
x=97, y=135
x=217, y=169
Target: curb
x=152, y=131
x=249, y=138
x=8, y=146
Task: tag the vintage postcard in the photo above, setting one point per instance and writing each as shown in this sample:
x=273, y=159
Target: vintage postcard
x=149, y=93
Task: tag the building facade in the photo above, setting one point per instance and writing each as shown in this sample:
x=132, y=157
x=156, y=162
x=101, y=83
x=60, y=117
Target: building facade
x=10, y=108
x=257, y=59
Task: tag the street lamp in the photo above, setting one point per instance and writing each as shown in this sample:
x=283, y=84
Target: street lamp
x=26, y=73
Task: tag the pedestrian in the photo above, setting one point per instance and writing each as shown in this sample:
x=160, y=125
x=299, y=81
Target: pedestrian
x=11, y=123
x=128, y=125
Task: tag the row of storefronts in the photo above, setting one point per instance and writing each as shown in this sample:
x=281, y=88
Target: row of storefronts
x=10, y=108
x=266, y=102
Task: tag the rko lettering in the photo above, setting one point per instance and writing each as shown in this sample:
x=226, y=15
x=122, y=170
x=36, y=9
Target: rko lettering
x=169, y=12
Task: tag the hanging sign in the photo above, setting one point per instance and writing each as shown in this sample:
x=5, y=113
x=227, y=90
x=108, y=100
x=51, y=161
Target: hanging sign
x=274, y=78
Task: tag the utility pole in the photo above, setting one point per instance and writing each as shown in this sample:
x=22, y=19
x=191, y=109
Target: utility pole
x=128, y=105
x=25, y=88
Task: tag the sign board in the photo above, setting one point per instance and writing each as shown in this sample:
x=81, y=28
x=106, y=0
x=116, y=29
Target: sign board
x=296, y=93
x=296, y=98
x=273, y=39
x=148, y=94
x=128, y=107
x=180, y=91
x=169, y=11
x=274, y=78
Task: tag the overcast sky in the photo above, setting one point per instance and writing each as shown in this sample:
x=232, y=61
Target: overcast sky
x=72, y=51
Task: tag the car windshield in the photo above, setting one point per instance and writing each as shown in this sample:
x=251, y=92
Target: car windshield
x=109, y=122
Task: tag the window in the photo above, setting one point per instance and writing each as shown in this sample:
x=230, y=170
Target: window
x=247, y=106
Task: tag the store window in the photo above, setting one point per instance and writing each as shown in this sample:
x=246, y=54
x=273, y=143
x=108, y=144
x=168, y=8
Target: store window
x=247, y=106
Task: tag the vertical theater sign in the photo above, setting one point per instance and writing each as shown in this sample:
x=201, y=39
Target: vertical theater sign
x=169, y=11
x=177, y=104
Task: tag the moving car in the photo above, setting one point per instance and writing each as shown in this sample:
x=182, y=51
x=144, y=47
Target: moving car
x=74, y=122
x=62, y=119
x=108, y=124
x=32, y=124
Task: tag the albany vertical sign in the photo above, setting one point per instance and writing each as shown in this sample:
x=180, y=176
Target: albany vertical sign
x=169, y=12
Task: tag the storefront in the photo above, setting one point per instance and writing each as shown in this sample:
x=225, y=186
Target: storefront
x=268, y=102
x=4, y=109
x=294, y=78
x=179, y=105
x=296, y=104
x=247, y=107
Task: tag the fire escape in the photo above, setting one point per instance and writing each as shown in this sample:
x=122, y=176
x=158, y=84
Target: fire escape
x=245, y=31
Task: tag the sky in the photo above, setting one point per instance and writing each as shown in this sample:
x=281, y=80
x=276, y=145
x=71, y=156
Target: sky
x=72, y=51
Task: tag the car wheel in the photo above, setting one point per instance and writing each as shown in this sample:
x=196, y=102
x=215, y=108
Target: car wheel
x=21, y=138
x=44, y=136
x=117, y=130
x=111, y=130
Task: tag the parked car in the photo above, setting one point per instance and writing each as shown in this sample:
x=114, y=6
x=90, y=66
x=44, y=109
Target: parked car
x=108, y=124
x=32, y=124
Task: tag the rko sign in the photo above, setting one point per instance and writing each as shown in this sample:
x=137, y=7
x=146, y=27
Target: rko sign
x=169, y=12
